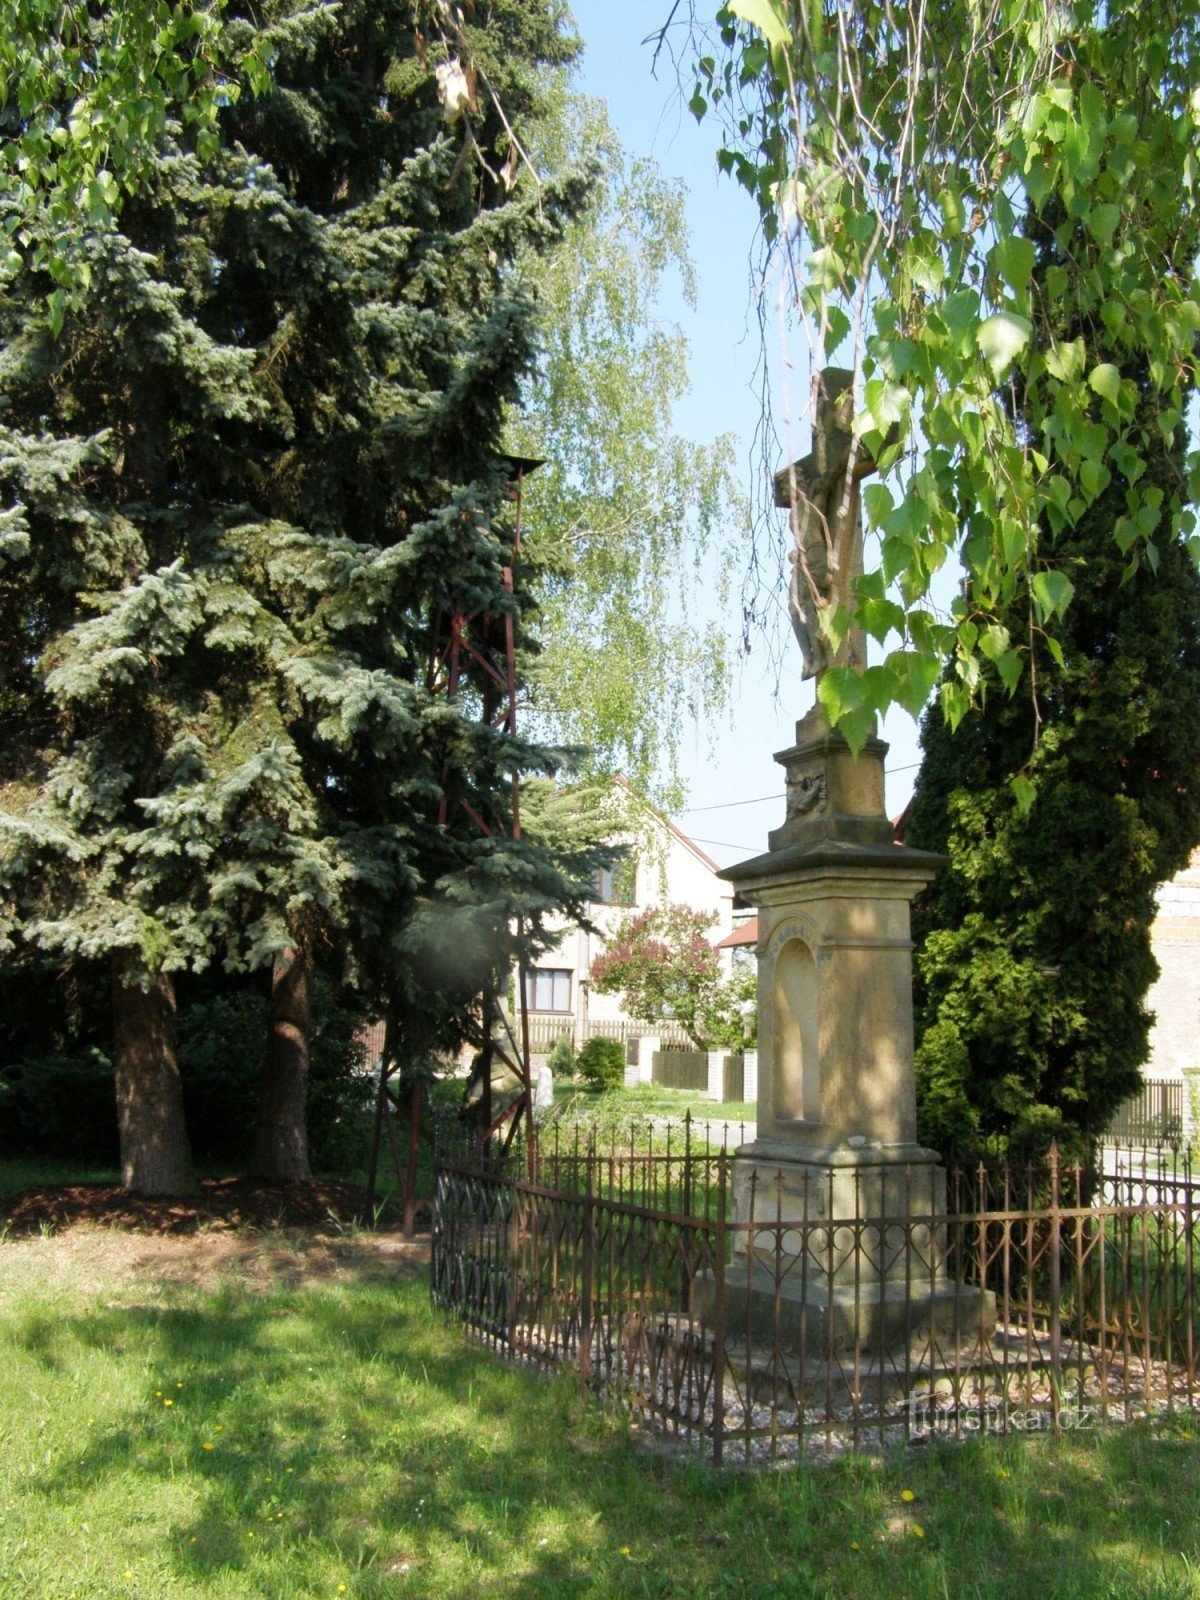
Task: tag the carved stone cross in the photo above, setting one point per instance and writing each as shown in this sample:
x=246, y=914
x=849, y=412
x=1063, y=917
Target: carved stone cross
x=821, y=491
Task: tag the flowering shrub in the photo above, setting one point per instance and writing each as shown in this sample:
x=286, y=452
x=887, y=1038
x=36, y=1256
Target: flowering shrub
x=664, y=966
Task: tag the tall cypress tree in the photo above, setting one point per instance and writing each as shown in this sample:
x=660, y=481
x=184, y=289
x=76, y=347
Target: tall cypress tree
x=257, y=463
x=1034, y=954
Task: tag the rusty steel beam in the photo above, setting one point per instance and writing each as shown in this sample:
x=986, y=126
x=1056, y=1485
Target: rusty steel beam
x=461, y=642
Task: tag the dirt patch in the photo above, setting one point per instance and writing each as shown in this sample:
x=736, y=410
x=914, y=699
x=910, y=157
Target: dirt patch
x=96, y=1240
x=116, y=1266
x=233, y=1204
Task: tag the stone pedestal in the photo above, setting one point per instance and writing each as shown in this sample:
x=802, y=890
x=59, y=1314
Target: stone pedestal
x=835, y=1019
x=836, y=1105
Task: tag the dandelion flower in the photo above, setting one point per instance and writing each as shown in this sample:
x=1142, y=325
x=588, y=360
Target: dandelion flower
x=128, y=1572
x=168, y=1402
x=249, y=1533
x=625, y=1550
x=179, y=1386
x=853, y=1545
x=220, y=1428
x=918, y=1530
x=207, y=1445
x=907, y=1496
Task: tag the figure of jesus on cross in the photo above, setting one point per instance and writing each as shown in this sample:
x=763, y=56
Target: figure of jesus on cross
x=821, y=492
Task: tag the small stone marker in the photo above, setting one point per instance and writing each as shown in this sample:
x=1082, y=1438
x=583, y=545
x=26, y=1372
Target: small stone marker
x=543, y=1089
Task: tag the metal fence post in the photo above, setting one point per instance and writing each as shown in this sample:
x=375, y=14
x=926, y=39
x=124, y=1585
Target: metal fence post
x=436, y=1227
x=589, y=1249
x=687, y=1164
x=718, y=1332
x=1189, y=1281
x=1055, y=1290
x=514, y=1258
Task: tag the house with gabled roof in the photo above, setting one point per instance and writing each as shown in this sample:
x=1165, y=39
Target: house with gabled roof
x=662, y=867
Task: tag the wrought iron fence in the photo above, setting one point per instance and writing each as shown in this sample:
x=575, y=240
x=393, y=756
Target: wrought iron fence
x=758, y=1317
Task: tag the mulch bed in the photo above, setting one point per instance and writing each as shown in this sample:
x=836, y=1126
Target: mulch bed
x=232, y=1203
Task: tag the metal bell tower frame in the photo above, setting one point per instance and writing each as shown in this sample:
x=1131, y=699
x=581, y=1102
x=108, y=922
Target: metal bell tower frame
x=473, y=650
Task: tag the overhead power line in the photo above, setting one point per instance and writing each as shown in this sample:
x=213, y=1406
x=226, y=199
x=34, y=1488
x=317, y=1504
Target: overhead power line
x=730, y=805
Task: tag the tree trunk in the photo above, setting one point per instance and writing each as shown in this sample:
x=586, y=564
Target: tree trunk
x=281, y=1146
x=155, y=1158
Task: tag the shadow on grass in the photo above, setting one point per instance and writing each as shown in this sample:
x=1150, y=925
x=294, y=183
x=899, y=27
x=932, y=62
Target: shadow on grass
x=29, y=1172
x=406, y=1461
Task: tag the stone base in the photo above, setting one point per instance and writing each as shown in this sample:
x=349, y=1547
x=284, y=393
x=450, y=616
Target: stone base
x=854, y=1175
x=805, y=1319
x=848, y=1250
x=865, y=1211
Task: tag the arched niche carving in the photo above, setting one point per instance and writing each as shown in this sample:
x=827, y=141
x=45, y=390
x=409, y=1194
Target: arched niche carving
x=794, y=999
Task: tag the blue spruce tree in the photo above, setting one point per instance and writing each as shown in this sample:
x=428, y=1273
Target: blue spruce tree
x=235, y=492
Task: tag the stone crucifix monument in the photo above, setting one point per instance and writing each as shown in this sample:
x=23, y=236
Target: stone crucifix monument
x=836, y=1132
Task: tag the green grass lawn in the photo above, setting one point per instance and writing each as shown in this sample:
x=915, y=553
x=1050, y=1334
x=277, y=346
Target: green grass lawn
x=649, y=1100
x=263, y=1417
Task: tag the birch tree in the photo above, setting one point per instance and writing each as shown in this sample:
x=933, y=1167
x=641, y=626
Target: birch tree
x=896, y=154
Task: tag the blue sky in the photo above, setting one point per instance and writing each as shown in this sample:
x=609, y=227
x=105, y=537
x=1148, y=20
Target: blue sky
x=735, y=788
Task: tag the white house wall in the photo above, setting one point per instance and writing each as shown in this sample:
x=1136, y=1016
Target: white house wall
x=1175, y=997
x=670, y=871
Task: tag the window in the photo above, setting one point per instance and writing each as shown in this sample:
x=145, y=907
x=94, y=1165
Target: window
x=549, y=988
x=615, y=884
